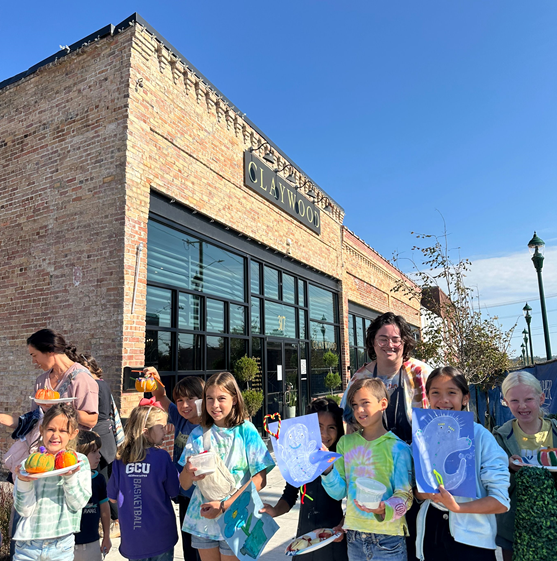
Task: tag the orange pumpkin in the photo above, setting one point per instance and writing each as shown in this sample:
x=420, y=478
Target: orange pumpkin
x=145, y=384
x=65, y=458
x=547, y=457
x=47, y=394
x=39, y=463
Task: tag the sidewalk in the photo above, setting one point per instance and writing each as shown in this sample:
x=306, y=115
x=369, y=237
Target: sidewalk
x=275, y=548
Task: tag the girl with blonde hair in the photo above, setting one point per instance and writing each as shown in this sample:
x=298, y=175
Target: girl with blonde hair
x=143, y=482
x=521, y=437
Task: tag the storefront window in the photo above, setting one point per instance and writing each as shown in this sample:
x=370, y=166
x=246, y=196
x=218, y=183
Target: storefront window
x=189, y=351
x=216, y=353
x=302, y=322
x=288, y=293
x=280, y=320
x=189, y=312
x=271, y=283
x=237, y=319
x=255, y=278
x=215, y=316
x=255, y=315
x=158, y=348
x=357, y=332
x=301, y=292
x=222, y=273
x=321, y=304
x=159, y=307
x=324, y=338
x=238, y=349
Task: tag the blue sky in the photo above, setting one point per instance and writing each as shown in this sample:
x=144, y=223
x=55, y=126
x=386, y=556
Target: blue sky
x=401, y=110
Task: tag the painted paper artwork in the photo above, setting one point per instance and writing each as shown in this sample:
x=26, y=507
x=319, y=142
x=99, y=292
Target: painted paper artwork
x=245, y=529
x=444, y=451
x=298, y=449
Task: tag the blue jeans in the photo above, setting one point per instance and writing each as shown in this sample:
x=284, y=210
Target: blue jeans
x=363, y=546
x=168, y=556
x=56, y=549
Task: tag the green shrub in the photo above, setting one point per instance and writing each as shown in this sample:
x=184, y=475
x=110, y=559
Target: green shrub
x=246, y=369
x=336, y=398
x=253, y=401
x=535, y=527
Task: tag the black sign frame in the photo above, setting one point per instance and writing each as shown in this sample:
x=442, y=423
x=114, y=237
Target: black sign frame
x=269, y=184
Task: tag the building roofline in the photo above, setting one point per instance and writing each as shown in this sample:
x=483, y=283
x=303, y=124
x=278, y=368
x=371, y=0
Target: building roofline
x=130, y=21
x=379, y=255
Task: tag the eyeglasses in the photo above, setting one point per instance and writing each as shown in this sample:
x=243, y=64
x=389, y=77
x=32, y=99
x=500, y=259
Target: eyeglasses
x=384, y=341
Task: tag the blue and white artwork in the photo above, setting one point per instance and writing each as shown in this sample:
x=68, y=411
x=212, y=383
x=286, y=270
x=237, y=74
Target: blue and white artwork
x=298, y=450
x=245, y=529
x=444, y=451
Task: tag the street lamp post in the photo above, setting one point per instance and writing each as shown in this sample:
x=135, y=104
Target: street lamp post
x=527, y=309
x=525, y=338
x=537, y=246
x=523, y=356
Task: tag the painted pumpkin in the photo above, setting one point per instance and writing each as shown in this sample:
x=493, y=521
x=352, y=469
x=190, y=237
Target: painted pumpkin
x=547, y=456
x=39, y=462
x=145, y=384
x=47, y=394
x=64, y=459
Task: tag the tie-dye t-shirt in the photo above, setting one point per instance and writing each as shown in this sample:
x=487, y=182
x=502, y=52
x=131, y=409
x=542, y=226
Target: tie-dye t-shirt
x=386, y=459
x=243, y=452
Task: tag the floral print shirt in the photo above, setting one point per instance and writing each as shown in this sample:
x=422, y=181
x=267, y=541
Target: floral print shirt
x=244, y=454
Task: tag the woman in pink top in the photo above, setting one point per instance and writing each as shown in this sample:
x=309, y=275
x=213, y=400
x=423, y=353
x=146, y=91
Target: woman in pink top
x=64, y=374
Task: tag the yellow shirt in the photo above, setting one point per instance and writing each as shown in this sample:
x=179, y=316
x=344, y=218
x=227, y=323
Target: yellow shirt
x=529, y=443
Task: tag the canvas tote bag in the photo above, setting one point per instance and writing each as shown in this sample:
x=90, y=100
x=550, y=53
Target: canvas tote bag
x=217, y=485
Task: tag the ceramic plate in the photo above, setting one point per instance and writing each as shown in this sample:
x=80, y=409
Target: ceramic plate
x=549, y=468
x=311, y=536
x=49, y=473
x=53, y=401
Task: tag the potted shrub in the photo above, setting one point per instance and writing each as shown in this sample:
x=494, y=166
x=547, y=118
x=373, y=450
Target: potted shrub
x=246, y=370
x=332, y=379
x=291, y=403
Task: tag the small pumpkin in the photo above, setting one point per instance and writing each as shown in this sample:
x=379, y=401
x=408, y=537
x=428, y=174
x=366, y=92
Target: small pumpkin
x=64, y=459
x=39, y=462
x=547, y=456
x=145, y=384
x=47, y=394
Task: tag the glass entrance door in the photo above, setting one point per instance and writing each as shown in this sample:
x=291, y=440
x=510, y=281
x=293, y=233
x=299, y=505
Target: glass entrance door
x=283, y=378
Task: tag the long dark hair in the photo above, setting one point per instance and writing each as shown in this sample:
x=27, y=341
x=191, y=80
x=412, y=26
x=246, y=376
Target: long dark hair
x=328, y=405
x=48, y=341
x=450, y=371
x=389, y=318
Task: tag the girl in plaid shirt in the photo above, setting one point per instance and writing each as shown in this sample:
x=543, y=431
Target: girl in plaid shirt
x=50, y=507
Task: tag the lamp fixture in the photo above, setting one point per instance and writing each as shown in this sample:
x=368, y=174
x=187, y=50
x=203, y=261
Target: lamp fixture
x=291, y=177
x=268, y=157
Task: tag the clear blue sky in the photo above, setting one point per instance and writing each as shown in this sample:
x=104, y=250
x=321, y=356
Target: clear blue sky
x=398, y=109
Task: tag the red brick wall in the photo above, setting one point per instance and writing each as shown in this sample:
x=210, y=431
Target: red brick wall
x=62, y=203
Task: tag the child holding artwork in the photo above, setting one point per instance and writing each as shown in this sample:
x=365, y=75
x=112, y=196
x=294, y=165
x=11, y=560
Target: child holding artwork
x=372, y=453
x=318, y=510
x=521, y=437
x=239, y=446
x=87, y=546
x=451, y=530
x=50, y=507
x=143, y=482
x=184, y=416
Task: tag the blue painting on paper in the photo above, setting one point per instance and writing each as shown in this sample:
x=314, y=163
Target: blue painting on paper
x=245, y=529
x=444, y=451
x=298, y=450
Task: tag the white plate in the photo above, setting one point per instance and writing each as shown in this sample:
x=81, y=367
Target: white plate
x=522, y=464
x=49, y=473
x=312, y=535
x=53, y=401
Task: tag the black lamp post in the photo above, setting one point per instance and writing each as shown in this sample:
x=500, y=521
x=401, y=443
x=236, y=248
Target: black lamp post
x=526, y=310
x=525, y=338
x=537, y=246
x=523, y=356
x=323, y=330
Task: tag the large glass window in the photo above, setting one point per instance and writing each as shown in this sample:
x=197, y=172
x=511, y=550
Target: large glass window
x=271, y=283
x=159, y=306
x=189, y=311
x=357, y=332
x=322, y=304
x=280, y=320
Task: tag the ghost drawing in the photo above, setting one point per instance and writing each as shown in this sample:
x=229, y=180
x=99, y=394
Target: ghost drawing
x=437, y=441
x=295, y=449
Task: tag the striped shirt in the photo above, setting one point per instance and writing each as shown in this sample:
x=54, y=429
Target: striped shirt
x=51, y=507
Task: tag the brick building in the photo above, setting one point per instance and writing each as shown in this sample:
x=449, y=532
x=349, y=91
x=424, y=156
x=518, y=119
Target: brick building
x=143, y=217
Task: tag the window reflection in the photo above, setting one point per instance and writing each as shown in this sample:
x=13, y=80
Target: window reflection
x=189, y=312
x=288, y=293
x=237, y=319
x=271, y=283
x=215, y=315
x=158, y=350
x=189, y=351
x=321, y=304
x=280, y=320
x=216, y=354
x=159, y=307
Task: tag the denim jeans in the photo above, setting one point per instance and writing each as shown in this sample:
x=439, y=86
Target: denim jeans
x=56, y=549
x=168, y=556
x=363, y=546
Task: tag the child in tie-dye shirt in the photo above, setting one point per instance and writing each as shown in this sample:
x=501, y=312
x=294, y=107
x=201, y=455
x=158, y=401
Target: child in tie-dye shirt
x=373, y=453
